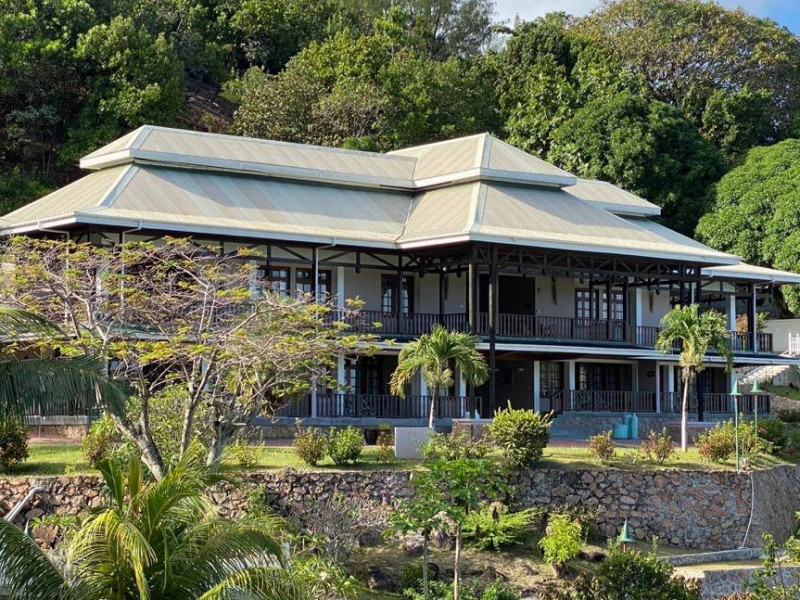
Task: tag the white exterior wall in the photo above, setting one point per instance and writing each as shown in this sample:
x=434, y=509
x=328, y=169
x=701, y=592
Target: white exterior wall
x=660, y=307
x=780, y=330
x=564, y=305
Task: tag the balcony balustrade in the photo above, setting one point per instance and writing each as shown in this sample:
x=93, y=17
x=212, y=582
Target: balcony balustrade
x=645, y=402
x=381, y=406
x=534, y=327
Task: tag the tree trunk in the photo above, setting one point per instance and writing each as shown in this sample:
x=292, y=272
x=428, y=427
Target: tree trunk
x=432, y=416
x=188, y=427
x=148, y=451
x=687, y=380
x=457, y=564
x=425, y=590
x=221, y=435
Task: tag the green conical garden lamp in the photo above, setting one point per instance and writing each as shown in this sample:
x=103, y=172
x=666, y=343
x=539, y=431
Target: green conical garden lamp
x=625, y=536
x=736, y=394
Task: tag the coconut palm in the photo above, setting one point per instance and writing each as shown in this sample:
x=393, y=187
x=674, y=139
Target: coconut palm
x=433, y=354
x=697, y=333
x=23, y=382
x=155, y=539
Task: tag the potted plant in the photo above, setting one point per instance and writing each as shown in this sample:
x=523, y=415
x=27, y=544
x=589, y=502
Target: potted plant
x=371, y=435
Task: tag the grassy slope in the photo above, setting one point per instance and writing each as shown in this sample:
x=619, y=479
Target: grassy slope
x=64, y=458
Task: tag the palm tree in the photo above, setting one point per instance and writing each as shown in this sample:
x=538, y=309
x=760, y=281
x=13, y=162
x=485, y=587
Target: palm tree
x=697, y=333
x=432, y=355
x=157, y=540
x=23, y=382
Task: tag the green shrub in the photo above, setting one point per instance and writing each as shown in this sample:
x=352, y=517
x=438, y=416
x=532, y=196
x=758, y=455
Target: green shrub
x=628, y=575
x=497, y=590
x=562, y=541
x=789, y=415
x=13, y=446
x=101, y=441
x=773, y=431
x=658, y=447
x=602, y=447
x=719, y=443
x=385, y=447
x=494, y=527
x=439, y=590
x=246, y=456
x=345, y=445
x=521, y=435
x=310, y=445
x=455, y=446
x=411, y=578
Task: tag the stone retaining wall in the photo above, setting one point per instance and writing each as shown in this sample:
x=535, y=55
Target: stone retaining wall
x=691, y=509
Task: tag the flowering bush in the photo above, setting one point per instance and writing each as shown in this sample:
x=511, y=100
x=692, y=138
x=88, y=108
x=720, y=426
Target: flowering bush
x=658, y=447
x=602, y=446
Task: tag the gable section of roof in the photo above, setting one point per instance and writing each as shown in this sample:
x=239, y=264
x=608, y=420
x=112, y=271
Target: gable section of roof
x=86, y=193
x=230, y=153
x=612, y=198
x=198, y=200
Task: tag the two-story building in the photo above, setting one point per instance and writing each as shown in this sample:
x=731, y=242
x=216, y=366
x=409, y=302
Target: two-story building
x=563, y=280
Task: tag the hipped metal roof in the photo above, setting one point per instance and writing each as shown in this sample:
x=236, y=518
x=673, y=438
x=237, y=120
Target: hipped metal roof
x=476, y=188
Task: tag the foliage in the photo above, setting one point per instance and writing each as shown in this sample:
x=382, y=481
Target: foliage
x=310, y=445
x=771, y=582
x=562, y=540
x=13, y=446
x=386, y=453
x=100, y=442
x=658, y=447
x=697, y=333
x=345, y=445
x=494, y=527
x=439, y=590
x=245, y=455
x=719, y=443
x=336, y=525
x=455, y=446
x=755, y=211
x=774, y=433
x=225, y=349
x=641, y=145
x=789, y=415
x=631, y=574
x=521, y=435
x=602, y=446
x=17, y=188
x=731, y=73
x=435, y=356
x=153, y=539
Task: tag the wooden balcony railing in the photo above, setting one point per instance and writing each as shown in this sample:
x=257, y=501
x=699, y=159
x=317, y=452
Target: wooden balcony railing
x=645, y=402
x=385, y=406
x=533, y=327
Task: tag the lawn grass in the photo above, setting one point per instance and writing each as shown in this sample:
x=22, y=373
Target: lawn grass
x=782, y=391
x=67, y=458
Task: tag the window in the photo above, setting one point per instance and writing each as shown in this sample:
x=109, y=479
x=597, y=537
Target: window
x=305, y=281
x=604, y=377
x=587, y=306
x=388, y=287
x=365, y=376
x=551, y=375
x=277, y=278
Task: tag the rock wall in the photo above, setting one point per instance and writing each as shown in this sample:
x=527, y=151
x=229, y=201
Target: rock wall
x=691, y=509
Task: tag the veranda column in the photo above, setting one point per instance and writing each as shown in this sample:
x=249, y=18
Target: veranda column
x=753, y=318
x=638, y=320
x=493, y=311
x=424, y=407
x=341, y=376
x=671, y=385
x=732, y=312
x=462, y=392
x=658, y=387
x=571, y=383
x=537, y=386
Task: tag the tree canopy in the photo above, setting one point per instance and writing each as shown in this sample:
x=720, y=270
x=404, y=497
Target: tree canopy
x=755, y=211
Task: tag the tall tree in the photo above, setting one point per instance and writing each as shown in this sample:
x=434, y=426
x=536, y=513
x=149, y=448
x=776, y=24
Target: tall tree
x=154, y=540
x=697, y=333
x=755, y=212
x=435, y=356
x=688, y=50
x=183, y=315
x=643, y=146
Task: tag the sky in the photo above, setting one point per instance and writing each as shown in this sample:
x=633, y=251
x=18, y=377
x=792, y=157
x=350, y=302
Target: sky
x=785, y=12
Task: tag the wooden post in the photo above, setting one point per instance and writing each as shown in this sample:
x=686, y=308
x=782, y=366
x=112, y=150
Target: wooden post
x=493, y=299
x=441, y=296
x=752, y=321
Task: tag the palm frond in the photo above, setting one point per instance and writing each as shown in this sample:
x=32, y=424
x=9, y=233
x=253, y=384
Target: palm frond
x=258, y=583
x=26, y=569
x=25, y=383
x=21, y=324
